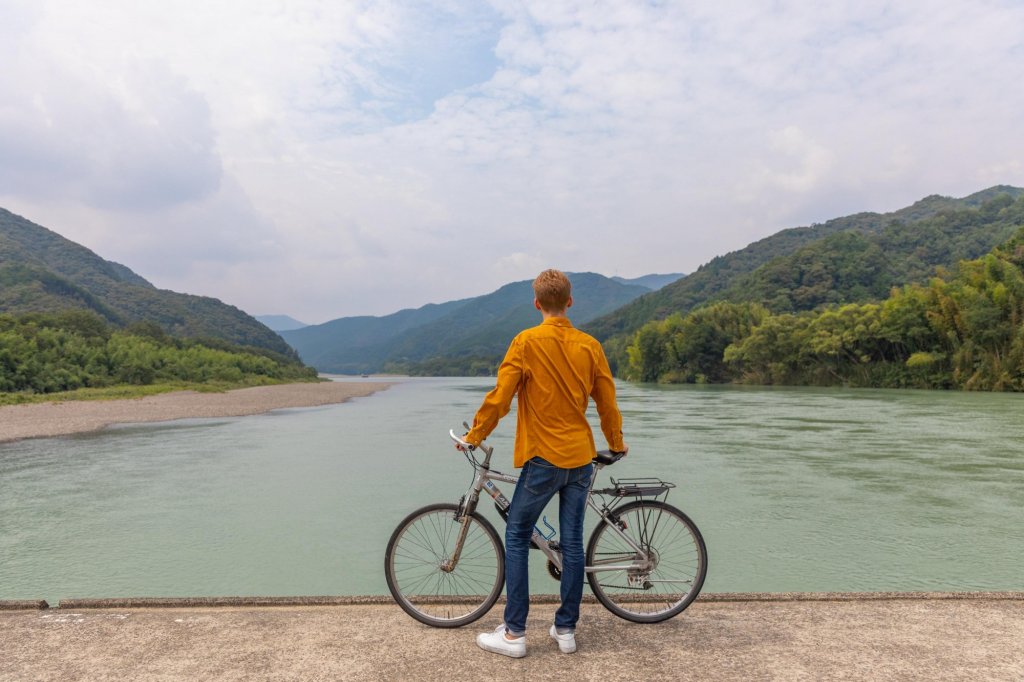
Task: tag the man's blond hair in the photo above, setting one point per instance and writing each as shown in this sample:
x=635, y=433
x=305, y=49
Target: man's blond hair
x=553, y=290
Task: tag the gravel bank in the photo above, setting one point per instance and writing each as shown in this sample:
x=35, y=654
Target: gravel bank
x=59, y=419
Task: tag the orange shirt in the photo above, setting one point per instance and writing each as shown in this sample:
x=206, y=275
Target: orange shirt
x=555, y=369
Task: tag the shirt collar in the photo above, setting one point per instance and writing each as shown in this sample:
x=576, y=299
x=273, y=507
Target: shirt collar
x=558, y=322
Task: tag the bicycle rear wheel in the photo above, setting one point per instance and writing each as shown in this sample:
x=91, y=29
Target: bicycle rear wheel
x=652, y=590
x=413, y=561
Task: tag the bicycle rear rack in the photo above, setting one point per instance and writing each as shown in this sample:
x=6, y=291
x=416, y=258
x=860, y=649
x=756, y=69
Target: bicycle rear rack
x=637, y=487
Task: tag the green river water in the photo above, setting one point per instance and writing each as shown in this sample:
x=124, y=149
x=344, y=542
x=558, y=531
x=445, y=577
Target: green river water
x=794, y=489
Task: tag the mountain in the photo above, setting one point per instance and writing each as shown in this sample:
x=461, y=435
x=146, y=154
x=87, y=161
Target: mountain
x=353, y=345
x=960, y=330
x=41, y=271
x=652, y=282
x=850, y=267
x=281, y=323
x=478, y=328
x=726, y=273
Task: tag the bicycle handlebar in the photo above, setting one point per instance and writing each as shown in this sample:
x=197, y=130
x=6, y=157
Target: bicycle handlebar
x=469, y=446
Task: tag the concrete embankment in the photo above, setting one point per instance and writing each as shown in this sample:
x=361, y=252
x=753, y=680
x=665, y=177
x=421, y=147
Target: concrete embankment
x=920, y=636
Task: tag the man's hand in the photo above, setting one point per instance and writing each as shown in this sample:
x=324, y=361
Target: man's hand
x=625, y=450
x=462, y=448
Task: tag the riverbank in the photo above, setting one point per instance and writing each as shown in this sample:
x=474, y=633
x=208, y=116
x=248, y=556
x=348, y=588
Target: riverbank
x=64, y=418
x=969, y=637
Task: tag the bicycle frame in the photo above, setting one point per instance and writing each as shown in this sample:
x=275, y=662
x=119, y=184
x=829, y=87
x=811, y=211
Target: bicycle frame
x=484, y=478
x=443, y=561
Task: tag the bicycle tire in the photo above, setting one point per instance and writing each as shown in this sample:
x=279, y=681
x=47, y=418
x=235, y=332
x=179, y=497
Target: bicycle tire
x=412, y=567
x=641, y=595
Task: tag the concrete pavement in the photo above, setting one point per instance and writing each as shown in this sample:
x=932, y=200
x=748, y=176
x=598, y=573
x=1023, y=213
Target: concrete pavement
x=720, y=637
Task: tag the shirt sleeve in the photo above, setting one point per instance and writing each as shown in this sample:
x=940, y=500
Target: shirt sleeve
x=603, y=394
x=498, y=402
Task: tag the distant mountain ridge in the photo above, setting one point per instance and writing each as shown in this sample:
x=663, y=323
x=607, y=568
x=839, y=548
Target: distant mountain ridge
x=479, y=327
x=652, y=282
x=41, y=271
x=280, y=323
x=353, y=345
x=724, y=273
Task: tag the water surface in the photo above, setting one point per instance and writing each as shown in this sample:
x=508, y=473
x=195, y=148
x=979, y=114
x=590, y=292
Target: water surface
x=794, y=489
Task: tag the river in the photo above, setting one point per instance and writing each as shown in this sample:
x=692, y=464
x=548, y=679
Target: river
x=794, y=489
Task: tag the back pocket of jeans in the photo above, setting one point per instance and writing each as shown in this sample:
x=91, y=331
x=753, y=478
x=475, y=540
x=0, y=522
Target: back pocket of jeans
x=541, y=477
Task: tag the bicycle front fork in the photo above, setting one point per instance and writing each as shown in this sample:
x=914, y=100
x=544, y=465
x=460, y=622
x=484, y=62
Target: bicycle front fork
x=466, y=509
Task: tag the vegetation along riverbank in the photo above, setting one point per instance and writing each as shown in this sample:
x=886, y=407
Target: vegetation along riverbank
x=76, y=326
x=963, y=330
x=75, y=354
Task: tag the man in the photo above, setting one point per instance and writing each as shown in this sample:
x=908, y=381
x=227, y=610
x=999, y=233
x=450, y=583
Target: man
x=555, y=370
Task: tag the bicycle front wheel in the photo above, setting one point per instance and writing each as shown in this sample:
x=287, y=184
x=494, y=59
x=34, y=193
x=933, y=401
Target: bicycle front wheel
x=653, y=584
x=421, y=582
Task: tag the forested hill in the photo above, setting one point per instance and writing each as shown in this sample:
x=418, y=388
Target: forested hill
x=351, y=345
x=41, y=271
x=728, y=276
x=850, y=267
x=467, y=336
x=963, y=330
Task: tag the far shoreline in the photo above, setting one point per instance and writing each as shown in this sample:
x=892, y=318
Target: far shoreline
x=47, y=420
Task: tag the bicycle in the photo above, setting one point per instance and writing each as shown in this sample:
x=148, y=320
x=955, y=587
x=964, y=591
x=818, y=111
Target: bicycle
x=645, y=561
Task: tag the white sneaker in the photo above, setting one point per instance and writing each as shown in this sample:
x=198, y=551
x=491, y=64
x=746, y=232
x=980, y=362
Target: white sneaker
x=566, y=643
x=497, y=643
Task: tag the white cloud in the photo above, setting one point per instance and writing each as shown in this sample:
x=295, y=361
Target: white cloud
x=801, y=163
x=142, y=141
x=330, y=158
x=519, y=265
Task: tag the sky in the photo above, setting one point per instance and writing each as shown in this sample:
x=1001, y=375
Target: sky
x=335, y=158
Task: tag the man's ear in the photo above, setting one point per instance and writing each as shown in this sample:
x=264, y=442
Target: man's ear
x=568, y=303
x=536, y=304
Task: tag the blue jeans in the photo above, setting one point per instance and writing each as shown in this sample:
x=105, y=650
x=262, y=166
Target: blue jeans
x=537, y=484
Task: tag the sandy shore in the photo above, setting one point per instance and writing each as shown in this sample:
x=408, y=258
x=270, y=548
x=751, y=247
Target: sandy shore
x=59, y=419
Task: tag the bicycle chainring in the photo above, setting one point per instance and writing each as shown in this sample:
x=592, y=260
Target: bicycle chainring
x=554, y=571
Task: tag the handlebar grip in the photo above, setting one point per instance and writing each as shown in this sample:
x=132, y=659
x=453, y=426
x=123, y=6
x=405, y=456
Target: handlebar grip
x=487, y=450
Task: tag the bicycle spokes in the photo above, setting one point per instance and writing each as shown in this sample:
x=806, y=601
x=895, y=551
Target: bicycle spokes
x=421, y=570
x=650, y=566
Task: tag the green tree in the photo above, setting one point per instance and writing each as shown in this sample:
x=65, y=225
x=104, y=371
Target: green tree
x=690, y=349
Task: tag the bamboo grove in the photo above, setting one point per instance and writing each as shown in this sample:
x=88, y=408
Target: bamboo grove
x=963, y=331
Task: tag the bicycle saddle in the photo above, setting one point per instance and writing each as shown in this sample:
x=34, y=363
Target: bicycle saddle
x=607, y=457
